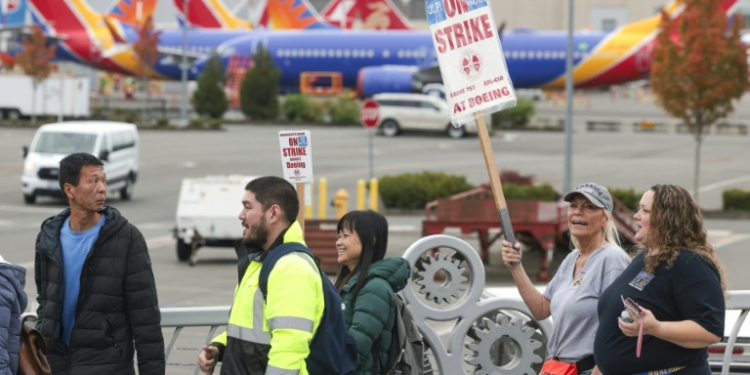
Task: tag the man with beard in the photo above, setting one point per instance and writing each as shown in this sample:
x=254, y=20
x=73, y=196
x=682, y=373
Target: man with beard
x=269, y=336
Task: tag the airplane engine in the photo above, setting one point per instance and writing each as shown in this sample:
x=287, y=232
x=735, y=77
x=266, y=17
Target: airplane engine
x=378, y=79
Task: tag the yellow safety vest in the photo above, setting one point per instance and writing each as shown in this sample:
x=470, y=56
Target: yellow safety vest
x=289, y=318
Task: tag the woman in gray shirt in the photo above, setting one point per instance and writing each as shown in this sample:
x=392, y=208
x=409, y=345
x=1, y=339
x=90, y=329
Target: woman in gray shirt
x=571, y=297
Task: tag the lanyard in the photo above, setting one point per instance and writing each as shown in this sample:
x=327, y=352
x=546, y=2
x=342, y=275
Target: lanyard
x=640, y=340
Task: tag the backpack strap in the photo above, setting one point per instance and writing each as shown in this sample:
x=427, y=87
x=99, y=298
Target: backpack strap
x=274, y=255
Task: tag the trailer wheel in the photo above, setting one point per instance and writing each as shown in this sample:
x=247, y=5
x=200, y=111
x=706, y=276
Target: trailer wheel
x=29, y=198
x=183, y=250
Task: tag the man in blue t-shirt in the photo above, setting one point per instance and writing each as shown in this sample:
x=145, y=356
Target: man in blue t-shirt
x=97, y=296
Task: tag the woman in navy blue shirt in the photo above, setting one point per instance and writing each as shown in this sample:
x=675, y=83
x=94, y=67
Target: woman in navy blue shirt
x=677, y=282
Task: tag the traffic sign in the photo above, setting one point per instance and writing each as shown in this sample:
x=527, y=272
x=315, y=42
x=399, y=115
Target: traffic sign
x=369, y=114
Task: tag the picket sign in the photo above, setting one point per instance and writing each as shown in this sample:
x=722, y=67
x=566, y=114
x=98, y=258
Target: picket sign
x=296, y=161
x=475, y=76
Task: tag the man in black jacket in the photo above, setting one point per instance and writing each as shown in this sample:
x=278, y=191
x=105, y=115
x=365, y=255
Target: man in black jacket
x=95, y=286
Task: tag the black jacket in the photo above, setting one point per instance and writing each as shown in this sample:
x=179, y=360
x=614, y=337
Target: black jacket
x=117, y=303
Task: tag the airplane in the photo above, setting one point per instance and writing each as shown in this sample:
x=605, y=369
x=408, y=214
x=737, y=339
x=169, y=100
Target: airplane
x=298, y=15
x=374, y=62
x=375, y=14
x=13, y=15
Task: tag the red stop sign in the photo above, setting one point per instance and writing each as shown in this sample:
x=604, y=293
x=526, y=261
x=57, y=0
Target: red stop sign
x=369, y=114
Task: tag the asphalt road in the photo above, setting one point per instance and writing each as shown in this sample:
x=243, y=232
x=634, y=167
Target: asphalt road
x=341, y=155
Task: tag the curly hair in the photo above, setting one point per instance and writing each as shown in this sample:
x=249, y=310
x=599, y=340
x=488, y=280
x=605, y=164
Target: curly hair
x=677, y=225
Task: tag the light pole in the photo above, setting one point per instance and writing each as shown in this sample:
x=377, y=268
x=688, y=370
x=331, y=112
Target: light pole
x=184, y=65
x=567, y=185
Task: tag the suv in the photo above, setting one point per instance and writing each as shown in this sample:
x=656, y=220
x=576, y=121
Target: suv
x=400, y=112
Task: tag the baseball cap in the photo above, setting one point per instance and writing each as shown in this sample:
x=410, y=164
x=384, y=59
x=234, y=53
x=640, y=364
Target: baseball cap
x=596, y=194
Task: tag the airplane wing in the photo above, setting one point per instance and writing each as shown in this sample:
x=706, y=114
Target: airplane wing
x=175, y=54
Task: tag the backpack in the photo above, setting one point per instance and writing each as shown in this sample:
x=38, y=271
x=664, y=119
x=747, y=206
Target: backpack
x=332, y=350
x=407, y=355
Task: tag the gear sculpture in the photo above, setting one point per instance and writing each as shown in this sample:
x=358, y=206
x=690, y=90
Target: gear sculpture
x=481, y=322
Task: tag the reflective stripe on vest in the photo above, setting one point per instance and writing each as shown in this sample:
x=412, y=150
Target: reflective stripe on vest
x=271, y=370
x=290, y=322
x=249, y=334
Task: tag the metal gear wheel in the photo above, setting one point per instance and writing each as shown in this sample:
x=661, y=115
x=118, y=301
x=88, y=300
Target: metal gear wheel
x=488, y=331
x=440, y=293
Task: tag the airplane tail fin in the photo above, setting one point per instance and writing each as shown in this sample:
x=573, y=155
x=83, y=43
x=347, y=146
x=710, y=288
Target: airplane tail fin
x=375, y=14
x=674, y=10
x=13, y=13
x=211, y=14
x=65, y=16
x=382, y=15
x=294, y=15
x=133, y=12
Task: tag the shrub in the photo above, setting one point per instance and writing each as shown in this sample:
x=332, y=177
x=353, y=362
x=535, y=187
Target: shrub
x=542, y=192
x=97, y=113
x=196, y=122
x=209, y=98
x=627, y=197
x=735, y=200
x=516, y=117
x=131, y=117
x=259, y=93
x=344, y=111
x=162, y=122
x=299, y=108
x=513, y=177
x=214, y=123
x=414, y=190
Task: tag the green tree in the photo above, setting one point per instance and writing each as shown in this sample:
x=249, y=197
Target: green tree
x=34, y=59
x=259, y=93
x=209, y=98
x=699, y=68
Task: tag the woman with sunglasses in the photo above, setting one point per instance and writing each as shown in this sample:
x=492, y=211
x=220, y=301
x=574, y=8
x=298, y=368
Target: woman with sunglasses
x=572, y=295
x=667, y=307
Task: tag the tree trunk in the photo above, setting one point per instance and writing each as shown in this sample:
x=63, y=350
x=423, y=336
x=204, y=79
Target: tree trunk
x=697, y=167
x=33, y=103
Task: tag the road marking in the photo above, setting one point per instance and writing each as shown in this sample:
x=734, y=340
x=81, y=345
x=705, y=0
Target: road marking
x=732, y=240
x=724, y=183
x=32, y=210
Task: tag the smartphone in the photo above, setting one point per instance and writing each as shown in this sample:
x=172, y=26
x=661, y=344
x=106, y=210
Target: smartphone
x=630, y=304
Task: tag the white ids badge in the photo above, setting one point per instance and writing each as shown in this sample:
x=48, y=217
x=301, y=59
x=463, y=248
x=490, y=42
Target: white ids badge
x=641, y=280
x=343, y=306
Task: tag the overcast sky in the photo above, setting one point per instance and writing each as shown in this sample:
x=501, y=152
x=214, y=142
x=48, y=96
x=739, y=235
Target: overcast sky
x=165, y=10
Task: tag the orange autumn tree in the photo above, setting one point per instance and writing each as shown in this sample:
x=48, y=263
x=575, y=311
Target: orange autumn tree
x=699, y=68
x=146, y=47
x=34, y=59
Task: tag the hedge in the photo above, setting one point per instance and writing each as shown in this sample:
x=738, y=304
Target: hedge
x=299, y=108
x=627, y=197
x=414, y=190
x=736, y=200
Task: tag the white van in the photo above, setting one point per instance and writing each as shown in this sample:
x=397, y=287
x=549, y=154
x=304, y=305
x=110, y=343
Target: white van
x=115, y=143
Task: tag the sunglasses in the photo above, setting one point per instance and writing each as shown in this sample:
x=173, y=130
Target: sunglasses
x=633, y=306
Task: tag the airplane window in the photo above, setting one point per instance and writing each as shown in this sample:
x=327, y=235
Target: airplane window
x=407, y=54
x=386, y=54
x=355, y=53
x=339, y=53
x=522, y=54
x=546, y=55
x=294, y=53
x=370, y=53
x=331, y=53
x=280, y=53
x=322, y=53
x=315, y=53
x=347, y=53
x=400, y=54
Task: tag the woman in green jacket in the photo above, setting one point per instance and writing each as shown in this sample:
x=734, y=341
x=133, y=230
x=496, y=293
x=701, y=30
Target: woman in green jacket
x=367, y=284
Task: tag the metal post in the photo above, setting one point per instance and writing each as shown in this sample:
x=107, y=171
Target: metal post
x=372, y=169
x=183, y=107
x=567, y=186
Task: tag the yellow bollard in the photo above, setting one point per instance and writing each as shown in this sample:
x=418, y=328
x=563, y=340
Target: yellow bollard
x=374, y=194
x=361, y=194
x=309, y=204
x=340, y=201
x=322, y=202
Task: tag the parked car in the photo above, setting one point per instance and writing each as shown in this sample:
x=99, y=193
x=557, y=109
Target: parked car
x=115, y=143
x=399, y=112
